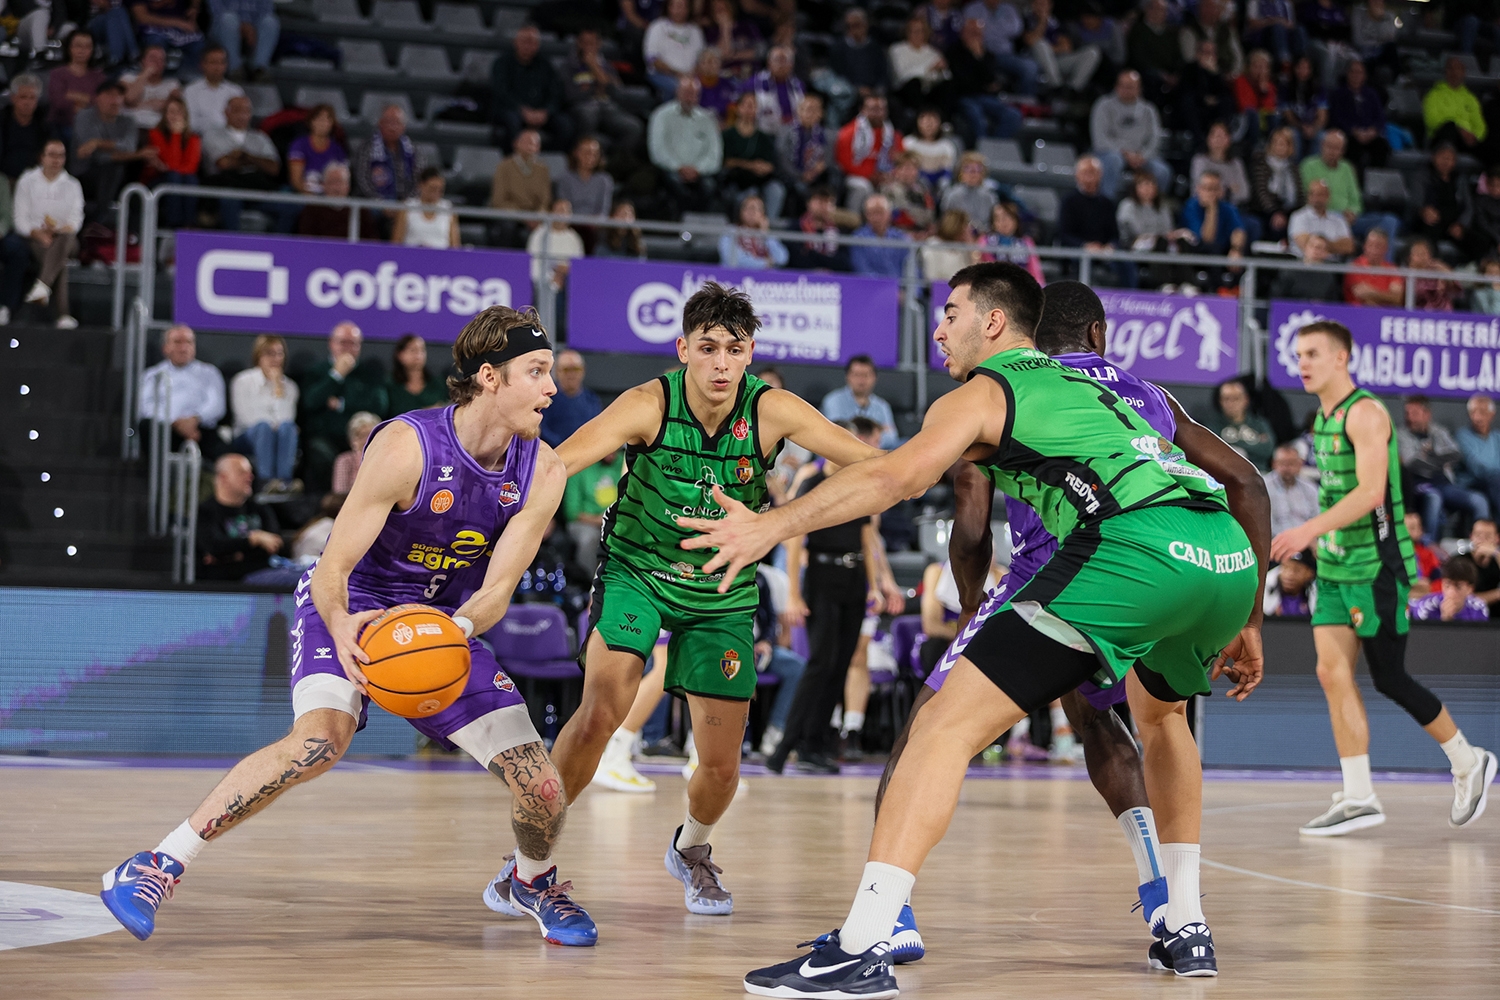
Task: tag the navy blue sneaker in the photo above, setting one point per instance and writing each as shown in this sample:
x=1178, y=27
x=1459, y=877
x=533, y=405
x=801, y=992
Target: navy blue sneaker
x=1190, y=952
x=829, y=972
x=497, y=893
x=1157, y=957
x=906, y=940
x=546, y=901
x=1153, y=904
x=134, y=891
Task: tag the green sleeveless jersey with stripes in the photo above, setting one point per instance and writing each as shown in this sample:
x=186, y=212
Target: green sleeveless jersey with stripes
x=673, y=477
x=1079, y=454
x=1356, y=552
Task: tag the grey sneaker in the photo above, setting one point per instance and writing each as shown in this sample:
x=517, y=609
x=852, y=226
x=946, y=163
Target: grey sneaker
x=1471, y=791
x=1345, y=816
x=702, y=890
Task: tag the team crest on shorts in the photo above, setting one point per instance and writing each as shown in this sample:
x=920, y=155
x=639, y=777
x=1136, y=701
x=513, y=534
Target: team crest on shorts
x=442, y=500
x=730, y=664
x=510, y=494
x=1357, y=617
x=503, y=682
x=741, y=429
x=744, y=470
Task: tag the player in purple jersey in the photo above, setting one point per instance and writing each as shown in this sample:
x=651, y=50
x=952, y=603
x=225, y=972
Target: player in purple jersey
x=448, y=510
x=1072, y=331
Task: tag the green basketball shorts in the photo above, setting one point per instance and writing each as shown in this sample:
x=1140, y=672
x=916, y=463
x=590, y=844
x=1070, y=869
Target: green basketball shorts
x=1164, y=589
x=1368, y=608
x=709, y=654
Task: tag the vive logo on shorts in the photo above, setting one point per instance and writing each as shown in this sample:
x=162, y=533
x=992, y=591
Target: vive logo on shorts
x=1215, y=562
x=629, y=625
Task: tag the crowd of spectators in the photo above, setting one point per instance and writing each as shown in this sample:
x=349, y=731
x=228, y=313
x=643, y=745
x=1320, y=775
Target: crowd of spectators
x=1257, y=123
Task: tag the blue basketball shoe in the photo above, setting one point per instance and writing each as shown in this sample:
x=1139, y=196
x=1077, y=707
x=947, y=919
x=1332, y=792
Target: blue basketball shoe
x=546, y=901
x=829, y=972
x=1153, y=905
x=497, y=893
x=134, y=891
x=906, y=940
x=1188, y=953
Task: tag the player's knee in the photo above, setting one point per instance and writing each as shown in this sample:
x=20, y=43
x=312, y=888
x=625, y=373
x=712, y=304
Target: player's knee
x=318, y=741
x=721, y=773
x=1333, y=674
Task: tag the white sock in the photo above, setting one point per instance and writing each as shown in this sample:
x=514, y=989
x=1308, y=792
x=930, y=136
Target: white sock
x=527, y=870
x=182, y=843
x=1461, y=755
x=1357, y=776
x=1022, y=729
x=694, y=833
x=1060, y=720
x=1139, y=825
x=1183, y=905
x=853, y=722
x=883, y=890
x=837, y=722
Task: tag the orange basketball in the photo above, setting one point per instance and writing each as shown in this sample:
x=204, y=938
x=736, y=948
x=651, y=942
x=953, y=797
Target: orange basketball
x=419, y=660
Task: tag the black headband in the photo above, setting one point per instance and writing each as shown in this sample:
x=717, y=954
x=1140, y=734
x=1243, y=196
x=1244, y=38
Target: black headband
x=518, y=341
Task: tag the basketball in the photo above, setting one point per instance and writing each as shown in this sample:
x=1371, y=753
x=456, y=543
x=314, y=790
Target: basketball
x=419, y=660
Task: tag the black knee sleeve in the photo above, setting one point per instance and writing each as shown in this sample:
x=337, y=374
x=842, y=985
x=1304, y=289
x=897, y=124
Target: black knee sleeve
x=1386, y=654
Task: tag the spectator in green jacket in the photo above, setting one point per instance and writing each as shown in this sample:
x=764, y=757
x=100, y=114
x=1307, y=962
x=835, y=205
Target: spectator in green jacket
x=588, y=495
x=332, y=392
x=1344, y=194
x=1451, y=110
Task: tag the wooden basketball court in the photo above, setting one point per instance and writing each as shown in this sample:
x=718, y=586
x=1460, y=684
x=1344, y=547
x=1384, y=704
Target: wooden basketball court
x=367, y=884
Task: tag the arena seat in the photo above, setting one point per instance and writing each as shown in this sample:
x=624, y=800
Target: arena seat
x=427, y=62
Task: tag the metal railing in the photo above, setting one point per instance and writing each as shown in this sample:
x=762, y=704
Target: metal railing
x=913, y=325
x=184, y=469
x=137, y=322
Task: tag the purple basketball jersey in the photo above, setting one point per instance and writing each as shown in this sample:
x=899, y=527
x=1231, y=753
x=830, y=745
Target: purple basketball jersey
x=437, y=551
x=1031, y=545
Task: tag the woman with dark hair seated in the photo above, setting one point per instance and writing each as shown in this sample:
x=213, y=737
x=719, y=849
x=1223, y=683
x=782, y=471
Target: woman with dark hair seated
x=412, y=386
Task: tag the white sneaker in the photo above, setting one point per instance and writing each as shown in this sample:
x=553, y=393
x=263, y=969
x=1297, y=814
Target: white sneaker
x=617, y=772
x=67, y=323
x=770, y=740
x=1345, y=816
x=39, y=293
x=1471, y=791
x=4, y=316
x=1066, y=749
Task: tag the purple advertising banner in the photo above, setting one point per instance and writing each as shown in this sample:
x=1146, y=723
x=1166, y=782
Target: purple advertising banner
x=1160, y=338
x=806, y=317
x=1396, y=352
x=286, y=284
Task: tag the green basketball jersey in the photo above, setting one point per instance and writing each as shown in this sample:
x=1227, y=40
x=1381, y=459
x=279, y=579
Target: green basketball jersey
x=674, y=477
x=1356, y=552
x=1078, y=454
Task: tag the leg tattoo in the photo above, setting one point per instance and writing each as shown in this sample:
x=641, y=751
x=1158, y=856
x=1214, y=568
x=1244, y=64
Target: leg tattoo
x=540, y=803
x=316, y=756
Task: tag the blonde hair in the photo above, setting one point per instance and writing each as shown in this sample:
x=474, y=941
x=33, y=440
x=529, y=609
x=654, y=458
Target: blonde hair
x=264, y=343
x=953, y=226
x=485, y=333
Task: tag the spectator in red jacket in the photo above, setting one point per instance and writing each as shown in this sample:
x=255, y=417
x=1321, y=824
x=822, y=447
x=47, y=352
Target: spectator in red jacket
x=178, y=151
x=867, y=151
x=1429, y=557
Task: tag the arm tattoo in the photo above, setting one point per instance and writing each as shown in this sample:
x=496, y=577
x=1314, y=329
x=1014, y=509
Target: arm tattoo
x=540, y=803
x=317, y=755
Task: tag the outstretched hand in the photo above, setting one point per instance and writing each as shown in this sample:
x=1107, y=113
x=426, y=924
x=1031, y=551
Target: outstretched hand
x=1242, y=661
x=740, y=536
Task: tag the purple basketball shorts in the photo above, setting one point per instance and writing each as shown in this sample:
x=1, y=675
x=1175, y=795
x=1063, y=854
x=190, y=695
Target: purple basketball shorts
x=316, y=672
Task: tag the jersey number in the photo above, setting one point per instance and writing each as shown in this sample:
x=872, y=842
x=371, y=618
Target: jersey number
x=434, y=585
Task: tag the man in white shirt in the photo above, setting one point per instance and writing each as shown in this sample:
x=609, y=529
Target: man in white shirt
x=1294, y=500
x=239, y=156
x=184, y=391
x=1126, y=131
x=684, y=142
x=146, y=92
x=208, y=96
x=671, y=48
x=48, y=211
x=1314, y=218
